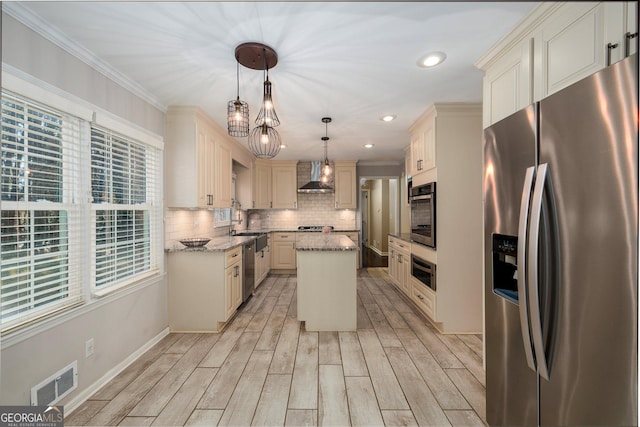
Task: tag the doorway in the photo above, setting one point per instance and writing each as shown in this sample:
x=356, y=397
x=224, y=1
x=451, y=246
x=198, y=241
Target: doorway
x=379, y=217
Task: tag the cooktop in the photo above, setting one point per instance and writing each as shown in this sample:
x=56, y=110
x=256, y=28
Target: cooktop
x=314, y=227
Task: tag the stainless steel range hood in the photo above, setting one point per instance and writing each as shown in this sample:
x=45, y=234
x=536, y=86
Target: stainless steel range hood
x=314, y=185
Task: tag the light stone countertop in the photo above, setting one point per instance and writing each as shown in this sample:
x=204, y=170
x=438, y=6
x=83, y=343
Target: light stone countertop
x=325, y=242
x=217, y=244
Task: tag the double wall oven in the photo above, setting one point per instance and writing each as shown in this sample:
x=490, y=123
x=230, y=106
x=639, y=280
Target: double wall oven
x=423, y=214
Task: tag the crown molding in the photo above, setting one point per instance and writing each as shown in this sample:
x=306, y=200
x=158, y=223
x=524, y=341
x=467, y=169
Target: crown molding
x=524, y=28
x=21, y=12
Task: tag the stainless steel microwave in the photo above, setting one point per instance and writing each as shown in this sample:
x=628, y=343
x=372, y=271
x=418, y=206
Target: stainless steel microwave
x=424, y=271
x=423, y=214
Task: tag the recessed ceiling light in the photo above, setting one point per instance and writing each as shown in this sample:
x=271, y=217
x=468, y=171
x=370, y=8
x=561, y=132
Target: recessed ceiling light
x=368, y=145
x=283, y=146
x=431, y=59
x=388, y=118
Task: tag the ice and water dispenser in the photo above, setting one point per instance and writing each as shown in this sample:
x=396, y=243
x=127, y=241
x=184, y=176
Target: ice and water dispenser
x=505, y=268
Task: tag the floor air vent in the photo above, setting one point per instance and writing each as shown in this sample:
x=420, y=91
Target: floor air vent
x=57, y=386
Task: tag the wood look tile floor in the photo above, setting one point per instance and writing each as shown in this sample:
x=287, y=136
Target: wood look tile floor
x=265, y=369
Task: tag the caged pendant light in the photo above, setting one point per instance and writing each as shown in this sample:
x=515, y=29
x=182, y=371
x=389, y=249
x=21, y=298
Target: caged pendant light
x=326, y=167
x=238, y=111
x=264, y=140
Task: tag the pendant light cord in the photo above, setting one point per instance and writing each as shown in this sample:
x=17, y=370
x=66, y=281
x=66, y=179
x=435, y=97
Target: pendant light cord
x=238, y=75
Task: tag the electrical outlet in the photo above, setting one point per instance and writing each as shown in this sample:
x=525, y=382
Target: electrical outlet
x=88, y=347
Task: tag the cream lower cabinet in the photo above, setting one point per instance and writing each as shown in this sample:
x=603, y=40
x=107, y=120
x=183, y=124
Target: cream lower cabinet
x=423, y=297
x=400, y=264
x=263, y=265
x=233, y=281
x=205, y=289
x=283, y=251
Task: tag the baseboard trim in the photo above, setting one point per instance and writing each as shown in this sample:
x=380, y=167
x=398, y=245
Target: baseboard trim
x=378, y=251
x=85, y=394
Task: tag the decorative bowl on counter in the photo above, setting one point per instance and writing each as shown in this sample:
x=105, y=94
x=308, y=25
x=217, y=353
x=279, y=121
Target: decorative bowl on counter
x=195, y=242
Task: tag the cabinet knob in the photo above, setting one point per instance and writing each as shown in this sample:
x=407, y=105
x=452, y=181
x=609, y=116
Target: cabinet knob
x=420, y=297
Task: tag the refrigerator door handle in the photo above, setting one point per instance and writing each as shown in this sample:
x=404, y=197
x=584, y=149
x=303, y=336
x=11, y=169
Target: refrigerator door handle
x=532, y=271
x=522, y=266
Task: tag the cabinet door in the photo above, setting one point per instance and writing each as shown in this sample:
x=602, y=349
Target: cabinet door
x=405, y=275
x=417, y=152
x=262, y=186
x=283, y=255
x=345, y=186
x=631, y=31
x=237, y=286
x=429, y=146
x=205, y=153
x=285, y=187
x=223, y=175
x=507, y=84
x=393, y=266
x=570, y=46
x=229, y=273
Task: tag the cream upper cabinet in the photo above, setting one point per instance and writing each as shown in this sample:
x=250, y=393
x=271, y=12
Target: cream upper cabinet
x=223, y=177
x=284, y=184
x=507, y=84
x=262, y=185
x=346, y=192
x=556, y=45
x=198, y=161
x=423, y=145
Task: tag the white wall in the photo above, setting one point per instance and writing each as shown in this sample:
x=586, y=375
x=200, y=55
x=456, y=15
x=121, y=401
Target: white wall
x=120, y=323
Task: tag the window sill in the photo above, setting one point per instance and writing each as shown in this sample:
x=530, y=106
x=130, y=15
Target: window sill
x=108, y=290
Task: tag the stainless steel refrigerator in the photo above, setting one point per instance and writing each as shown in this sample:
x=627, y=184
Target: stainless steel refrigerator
x=561, y=261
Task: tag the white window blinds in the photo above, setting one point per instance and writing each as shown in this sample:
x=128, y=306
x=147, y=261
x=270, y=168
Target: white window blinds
x=40, y=248
x=80, y=210
x=126, y=208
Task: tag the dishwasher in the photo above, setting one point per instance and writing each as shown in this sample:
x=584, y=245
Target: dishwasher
x=249, y=269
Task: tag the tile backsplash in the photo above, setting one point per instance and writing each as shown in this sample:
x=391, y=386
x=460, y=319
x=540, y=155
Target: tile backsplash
x=183, y=223
x=313, y=209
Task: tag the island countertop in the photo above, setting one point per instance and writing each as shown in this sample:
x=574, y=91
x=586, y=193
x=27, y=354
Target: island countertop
x=325, y=242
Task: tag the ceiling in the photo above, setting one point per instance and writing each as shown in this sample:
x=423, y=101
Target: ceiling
x=354, y=62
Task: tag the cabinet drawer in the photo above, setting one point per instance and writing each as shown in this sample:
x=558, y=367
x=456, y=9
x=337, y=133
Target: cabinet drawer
x=284, y=237
x=232, y=256
x=424, y=298
x=403, y=246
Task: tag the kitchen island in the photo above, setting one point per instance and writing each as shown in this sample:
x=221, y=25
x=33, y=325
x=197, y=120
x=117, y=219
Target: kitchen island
x=327, y=278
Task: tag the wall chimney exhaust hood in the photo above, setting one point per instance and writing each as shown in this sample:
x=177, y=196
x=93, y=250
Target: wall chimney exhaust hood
x=314, y=185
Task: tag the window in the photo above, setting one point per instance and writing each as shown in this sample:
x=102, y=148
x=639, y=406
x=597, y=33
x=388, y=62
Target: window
x=81, y=211
x=40, y=155
x=126, y=207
